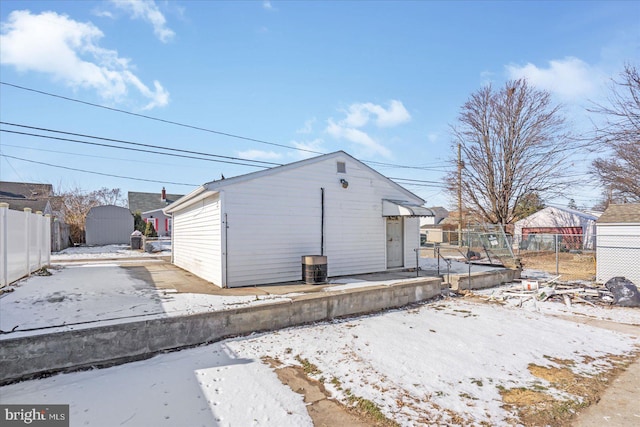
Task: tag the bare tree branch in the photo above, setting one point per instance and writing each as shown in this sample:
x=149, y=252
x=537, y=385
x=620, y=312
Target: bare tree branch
x=514, y=143
x=620, y=134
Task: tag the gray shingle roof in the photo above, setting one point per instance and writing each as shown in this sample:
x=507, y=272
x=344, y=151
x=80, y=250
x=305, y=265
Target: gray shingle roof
x=25, y=190
x=143, y=202
x=20, y=204
x=22, y=195
x=625, y=213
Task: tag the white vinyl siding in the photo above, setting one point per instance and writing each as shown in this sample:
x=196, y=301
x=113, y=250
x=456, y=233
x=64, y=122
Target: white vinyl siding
x=275, y=219
x=197, y=239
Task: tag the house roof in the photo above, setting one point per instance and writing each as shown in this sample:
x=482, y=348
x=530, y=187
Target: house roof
x=586, y=215
x=25, y=190
x=558, y=212
x=143, y=202
x=625, y=213
x=214, y=186
x=17, y=204
x=22, y=195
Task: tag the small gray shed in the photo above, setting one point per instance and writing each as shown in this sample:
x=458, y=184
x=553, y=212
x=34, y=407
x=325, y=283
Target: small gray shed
x=107, y=225
x=618, y=243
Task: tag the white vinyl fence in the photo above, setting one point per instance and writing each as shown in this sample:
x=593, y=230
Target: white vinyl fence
x=25, y=243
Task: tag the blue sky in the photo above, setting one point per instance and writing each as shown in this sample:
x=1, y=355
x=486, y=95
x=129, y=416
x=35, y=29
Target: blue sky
x=381, y=80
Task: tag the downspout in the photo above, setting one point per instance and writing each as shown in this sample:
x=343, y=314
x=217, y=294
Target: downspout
x=173, y=239
x=226, y=253
x=321, y=220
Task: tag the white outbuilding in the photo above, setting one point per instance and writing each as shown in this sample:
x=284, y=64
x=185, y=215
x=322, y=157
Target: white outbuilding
x=575, y=228
x=618, y=249
x=107, y=225
x=255, y=228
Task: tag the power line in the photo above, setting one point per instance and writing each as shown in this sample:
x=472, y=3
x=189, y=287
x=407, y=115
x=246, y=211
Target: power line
x=230, y=135
x=139, y=144
x=129, y=148
x=14, y=169
x=417, y=180
x=85, y=155
x=97, y=173
x=144, y=116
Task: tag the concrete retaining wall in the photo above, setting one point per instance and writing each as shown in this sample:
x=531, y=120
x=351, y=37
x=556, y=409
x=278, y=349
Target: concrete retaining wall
x=481, y=280
x=27, y=357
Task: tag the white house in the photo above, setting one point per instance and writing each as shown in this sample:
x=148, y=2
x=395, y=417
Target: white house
x=618, y=249
x=578, y=228
x=253, y=229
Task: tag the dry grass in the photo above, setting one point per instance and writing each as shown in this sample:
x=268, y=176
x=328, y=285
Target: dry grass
x=570, y=266
x=535, y=406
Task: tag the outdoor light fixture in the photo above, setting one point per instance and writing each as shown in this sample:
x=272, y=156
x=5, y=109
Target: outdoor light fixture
x=344, y=183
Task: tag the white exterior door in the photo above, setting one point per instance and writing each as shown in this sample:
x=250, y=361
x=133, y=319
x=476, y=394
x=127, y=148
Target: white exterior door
x=394, y=242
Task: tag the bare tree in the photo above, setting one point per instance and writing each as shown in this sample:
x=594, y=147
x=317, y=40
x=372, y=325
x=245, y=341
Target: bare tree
x=620, y=133
x=110, y=196
x=76, y=203
x=513, y=144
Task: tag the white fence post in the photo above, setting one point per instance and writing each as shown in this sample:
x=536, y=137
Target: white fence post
x=4, y=248
x=40, y=229
x=27, y=236
x=47, y=238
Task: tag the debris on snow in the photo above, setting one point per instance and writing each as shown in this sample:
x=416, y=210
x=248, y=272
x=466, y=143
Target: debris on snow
x=530, y=291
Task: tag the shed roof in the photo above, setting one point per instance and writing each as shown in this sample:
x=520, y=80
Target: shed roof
x=624, y=213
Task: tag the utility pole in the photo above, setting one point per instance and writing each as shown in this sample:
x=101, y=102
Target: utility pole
x=459, y=194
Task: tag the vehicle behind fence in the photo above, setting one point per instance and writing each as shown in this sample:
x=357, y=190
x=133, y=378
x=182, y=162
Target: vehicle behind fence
x=570, y=256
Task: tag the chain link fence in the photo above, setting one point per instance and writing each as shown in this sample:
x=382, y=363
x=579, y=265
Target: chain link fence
x=571, y=256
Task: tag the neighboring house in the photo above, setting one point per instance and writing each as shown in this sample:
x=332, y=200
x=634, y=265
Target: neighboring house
x=38, y=198
x=618, y=249
x=577, y=229
x=253, y=229
x=21, y=195
x=431, y=227
x=150, y=206
x=107, y=225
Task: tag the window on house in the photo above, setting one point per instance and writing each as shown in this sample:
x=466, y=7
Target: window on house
x=342, y=167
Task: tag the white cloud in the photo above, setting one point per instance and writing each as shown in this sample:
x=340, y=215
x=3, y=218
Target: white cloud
x=266, y=4
x=68, y=50
x=307, y=148
x=432, y=137
x=308, y=126
x=102, y=13
x=358, y=115
x=259, y=155
x=147, y=10
x=357, y=136
x=569, y=77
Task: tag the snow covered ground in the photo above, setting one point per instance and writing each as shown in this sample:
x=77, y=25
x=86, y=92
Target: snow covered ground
x=109, y=251
x=86, y=289
x=85, y=295
x=431, y=362
x=427, y=365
